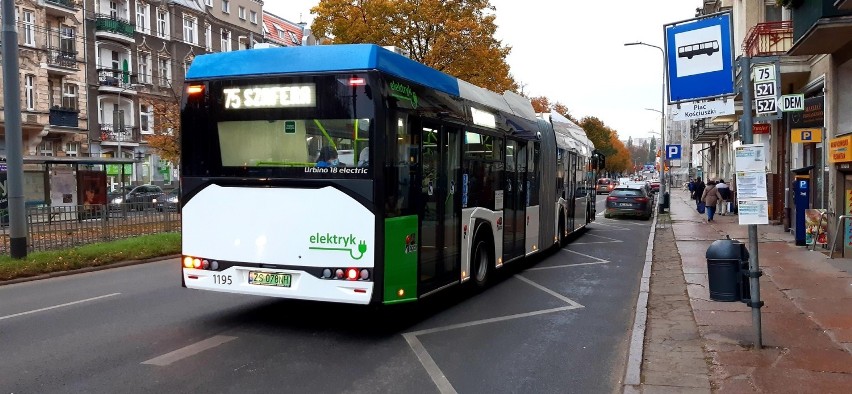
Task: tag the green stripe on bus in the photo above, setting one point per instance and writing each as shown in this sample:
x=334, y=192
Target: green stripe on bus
x=401, y=241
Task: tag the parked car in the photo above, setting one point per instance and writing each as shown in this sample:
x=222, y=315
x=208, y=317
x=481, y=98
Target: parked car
x=169, y=202
x=624, y=201
x=139, y=197
x=605, y=185
x=655, y=186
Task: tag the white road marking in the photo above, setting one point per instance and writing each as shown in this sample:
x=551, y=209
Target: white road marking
x=438, y=377
x=57, y=306
x=585, y=255
x=565, y=266
x=444, y=385
x=190, y=350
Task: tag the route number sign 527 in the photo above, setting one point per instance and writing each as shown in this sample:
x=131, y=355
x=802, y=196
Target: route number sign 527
x=765, y=105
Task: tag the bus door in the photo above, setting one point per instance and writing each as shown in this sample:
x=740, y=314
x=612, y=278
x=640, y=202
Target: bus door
x=571, y=189
x=514, y=205
x=441, y=215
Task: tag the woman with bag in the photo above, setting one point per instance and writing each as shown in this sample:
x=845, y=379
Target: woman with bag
x=710, y=197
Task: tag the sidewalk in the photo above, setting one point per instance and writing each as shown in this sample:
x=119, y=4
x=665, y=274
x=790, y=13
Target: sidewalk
x=706, y=346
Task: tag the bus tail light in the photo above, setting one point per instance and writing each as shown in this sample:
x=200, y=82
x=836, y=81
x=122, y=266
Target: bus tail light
x=197, y=263
x=351, y=274
x=194, y=89
x=355, y=81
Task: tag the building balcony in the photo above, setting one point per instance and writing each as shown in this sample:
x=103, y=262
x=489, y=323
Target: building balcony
x=61, y=62
x=63, y=8
x=116, y=80
x=64, y=117
x=705, y=132
x=821, y=27
x=129, y=135
x=769, y=39
x=115, y=28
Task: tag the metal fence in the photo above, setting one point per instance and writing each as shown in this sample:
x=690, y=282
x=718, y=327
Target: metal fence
x=62, y=227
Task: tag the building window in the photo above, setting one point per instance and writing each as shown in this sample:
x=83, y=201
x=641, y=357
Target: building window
x=253, y=17
x=72, y=149
x=293, y=38
x=113, y=10
x=144, y=67
x=66, y=40
x=226, y=41
x=242, y=42
x=142, y=18
x=226, y=6
x=280, y=31
x=241, y=12
x=208, y=38
x=45, y=148
x=190, y=33
x=29, y=92
x=208, y=3
x=146, y=119
x=29, y=27
x=163, y=23
x=165, y=69
x=69, y=96
x=186, y=64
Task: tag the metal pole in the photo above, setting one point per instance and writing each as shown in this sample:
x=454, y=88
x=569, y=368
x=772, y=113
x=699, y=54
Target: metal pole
x=662, y=206
x=753, y=265
x=14, y=134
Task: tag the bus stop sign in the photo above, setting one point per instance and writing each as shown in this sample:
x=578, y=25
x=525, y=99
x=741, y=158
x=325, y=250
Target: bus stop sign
x=699, y=58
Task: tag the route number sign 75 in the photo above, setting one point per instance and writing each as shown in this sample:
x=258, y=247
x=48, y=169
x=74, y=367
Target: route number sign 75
x=764, y=72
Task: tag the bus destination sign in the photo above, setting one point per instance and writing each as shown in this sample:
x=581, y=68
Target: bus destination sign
x=270, y=96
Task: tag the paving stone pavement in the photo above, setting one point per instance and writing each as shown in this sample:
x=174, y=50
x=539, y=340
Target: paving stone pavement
x=693, y=344
x=674, y=360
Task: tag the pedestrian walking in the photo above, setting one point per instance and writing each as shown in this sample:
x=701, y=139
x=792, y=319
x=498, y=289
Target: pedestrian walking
x=710, y=197
x=697, y=190
x=725, y=192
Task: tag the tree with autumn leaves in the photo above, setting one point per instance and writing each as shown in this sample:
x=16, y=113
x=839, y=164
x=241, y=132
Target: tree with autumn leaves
x=461, y=44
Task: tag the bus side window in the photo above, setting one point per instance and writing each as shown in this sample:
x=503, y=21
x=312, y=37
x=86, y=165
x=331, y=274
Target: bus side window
x=402, y=161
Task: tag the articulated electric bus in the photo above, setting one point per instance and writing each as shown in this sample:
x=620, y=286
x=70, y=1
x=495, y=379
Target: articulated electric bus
x=352, y=174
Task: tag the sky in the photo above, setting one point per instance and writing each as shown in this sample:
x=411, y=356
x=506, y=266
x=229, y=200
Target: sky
x=573, y=52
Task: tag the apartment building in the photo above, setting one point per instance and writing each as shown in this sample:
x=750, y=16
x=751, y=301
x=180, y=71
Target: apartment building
x=53, y=88
x=52, y=68
x=280, y=32
x=139, y=56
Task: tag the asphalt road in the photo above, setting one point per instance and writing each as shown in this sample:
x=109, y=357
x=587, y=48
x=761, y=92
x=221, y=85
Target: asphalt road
x=558, y=324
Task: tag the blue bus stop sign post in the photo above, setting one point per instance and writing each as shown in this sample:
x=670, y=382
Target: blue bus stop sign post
x=700, y=61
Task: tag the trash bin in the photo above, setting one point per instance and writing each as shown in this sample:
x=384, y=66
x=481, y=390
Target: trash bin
x=724, y=259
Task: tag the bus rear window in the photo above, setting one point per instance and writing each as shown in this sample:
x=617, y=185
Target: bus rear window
x=307, y=143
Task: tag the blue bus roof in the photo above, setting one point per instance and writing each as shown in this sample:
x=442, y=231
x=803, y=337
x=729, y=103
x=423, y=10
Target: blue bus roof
x=318, y=59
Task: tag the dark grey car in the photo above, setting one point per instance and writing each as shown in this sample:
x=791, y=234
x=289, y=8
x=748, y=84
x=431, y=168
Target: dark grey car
x=624, y=201
x=139, y=197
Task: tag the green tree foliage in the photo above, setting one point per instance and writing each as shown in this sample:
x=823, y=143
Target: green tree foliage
x=456, y=37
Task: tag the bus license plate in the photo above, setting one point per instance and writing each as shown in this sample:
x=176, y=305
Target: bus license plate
x=269, y=279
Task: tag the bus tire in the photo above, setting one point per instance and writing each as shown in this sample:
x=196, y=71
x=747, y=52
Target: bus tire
x=482, y=261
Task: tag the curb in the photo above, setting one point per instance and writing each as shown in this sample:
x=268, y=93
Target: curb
x=88, y=269
x=633, y=374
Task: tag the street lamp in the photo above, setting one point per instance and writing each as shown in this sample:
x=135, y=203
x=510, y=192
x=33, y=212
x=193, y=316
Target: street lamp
x=662, y=123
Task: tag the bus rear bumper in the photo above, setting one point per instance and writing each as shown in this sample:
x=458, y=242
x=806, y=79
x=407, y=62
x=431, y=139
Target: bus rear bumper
x=303, y=286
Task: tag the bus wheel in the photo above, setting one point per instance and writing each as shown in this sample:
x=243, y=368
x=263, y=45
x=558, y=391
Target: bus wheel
x=481, y=262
